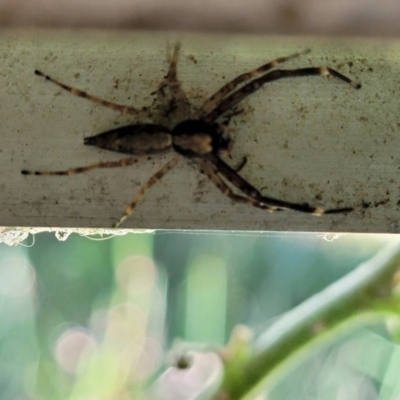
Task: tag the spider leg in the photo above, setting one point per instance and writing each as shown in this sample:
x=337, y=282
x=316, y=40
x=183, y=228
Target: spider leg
x=217, y=97
x=254, y=85
x=173, y=62
x=173, y=83
x=143, y=113
x=170, y=97
x=275, y=204
x=154, y=179
x=207, y=168
x=241, y=165
x=78, y=170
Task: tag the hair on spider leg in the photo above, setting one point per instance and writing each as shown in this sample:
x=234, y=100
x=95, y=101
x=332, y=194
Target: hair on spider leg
x=198, y=136
x=241, y=164
x=229, y=115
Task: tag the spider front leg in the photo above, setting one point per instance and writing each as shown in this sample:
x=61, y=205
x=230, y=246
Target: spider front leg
x=143, y=113
x=217, y=97
x=235, y=179
x=209, y=169
x=251, y=87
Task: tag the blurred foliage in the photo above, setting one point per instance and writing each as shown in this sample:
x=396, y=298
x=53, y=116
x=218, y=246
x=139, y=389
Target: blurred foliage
x=92, y=319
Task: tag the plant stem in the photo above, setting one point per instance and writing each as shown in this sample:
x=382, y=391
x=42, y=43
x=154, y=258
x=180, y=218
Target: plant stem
x=365, y=288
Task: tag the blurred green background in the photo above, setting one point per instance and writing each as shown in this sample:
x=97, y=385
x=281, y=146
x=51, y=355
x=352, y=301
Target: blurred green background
x=93, y=319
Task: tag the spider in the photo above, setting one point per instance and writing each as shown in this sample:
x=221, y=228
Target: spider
x=195, y=135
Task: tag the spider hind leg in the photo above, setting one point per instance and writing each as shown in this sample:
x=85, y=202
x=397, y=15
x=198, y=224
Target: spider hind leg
x=143, y=113
x=79, y=170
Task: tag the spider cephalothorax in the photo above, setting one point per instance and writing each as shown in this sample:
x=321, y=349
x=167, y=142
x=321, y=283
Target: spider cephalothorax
x=196, y=135
x=197, y=138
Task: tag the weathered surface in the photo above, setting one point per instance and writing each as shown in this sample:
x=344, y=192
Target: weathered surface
x=313, y=140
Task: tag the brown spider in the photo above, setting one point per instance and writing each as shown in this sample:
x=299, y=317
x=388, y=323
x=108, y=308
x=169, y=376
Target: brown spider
x=196, y=136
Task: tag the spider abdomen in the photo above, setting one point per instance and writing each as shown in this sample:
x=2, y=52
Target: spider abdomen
x=134, y=139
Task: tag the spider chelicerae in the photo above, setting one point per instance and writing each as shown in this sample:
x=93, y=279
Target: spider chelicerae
x=192, y=134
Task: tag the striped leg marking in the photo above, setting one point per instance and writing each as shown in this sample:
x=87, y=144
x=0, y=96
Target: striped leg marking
x=154, y=179
x=78, y=170
x=143, y=113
